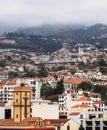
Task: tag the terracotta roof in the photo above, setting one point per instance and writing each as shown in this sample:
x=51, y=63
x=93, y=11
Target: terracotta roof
x=13, y=82
x=30, y=119
x=74, y=81
x=74, y=113
x=8, y=122
x=57, y=121
x=25, y=122
x=83, y=98
x=81, y=106
x=3, y=72
x=21, y=88
x=2, y=105
x=98, y=102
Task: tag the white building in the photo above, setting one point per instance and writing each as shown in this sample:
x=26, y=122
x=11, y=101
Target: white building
x=72, y=97
x=45, y=109
x=6, y=90
x=6, y=111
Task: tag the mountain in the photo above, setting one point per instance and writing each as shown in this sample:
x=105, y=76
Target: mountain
x=48, y=29
x=50, y=38
x=74, y=31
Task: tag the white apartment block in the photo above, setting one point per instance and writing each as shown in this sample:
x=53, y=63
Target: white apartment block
x=6, y=90
x=72, y=97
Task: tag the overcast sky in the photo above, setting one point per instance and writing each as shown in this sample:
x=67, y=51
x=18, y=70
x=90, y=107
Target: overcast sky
x=36, y=12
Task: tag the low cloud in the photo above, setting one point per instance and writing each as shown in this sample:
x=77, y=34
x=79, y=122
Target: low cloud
x=36, y=12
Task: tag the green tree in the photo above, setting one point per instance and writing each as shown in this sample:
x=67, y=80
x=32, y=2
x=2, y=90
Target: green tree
x=60, y=87
x=102, y=62
x=85, y=86
x=13, y=74
x=46, y=90
x=2, y=63
x=81, y=127
x=101, y=90
x=103, y=69
x=42, y=72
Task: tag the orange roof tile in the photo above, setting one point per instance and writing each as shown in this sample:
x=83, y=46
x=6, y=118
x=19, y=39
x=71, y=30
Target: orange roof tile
x=57, y=121
x=74, y=113
x=2, y=105
x=21, y=88
x=98, y=102
x=13, y=82
x=83, y=98
x=25, y=122
x=81, y=106
x=74, y=81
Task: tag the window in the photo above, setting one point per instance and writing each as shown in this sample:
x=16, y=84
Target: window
x=16, y=115
x=25, y=116
x=17, y=93
x=16, y=100
x=68, y=127
x=100, y=116
x=81, y=116
x=25, y=93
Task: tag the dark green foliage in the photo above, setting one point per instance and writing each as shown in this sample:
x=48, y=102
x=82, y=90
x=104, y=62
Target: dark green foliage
x=60, y=87
x=46, y=90
x=85, y=86
x=81, y=127
x=2, y=63
x=13, y=74
x=39, y=44
x=102, y=62
x=42, y=72
x=73, y=71
x=103, y=70
x=31, y=74
x=101, y=90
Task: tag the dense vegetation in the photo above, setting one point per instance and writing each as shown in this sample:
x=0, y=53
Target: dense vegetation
x=50, y=39
x=50, y=93
x=38, y=44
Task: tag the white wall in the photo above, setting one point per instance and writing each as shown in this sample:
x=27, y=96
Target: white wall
x=45, y=110
x=2, y=113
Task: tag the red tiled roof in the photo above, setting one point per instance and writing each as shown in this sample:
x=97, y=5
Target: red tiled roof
x=74, y=113
x=83, y=98
x=2, y=105
x=81, y=106
x=57, y=121
x=98, y=102
x=74, y=81
x=3, y=72
x=25, y=122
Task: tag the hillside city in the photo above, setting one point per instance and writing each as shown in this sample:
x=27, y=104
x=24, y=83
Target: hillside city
x=68, y=87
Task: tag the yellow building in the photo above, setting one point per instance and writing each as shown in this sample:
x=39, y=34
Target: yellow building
x=22, y=103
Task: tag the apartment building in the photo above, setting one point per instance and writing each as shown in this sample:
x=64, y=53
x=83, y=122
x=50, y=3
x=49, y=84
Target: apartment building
x=71, y=98
x=6, y=89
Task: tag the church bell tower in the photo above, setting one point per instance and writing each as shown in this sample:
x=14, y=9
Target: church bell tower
x=21, y=103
